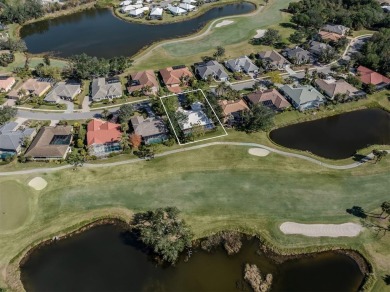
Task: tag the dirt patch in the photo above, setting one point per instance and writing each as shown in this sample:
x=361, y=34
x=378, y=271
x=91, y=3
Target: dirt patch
x=38, y=183
x=319, y=230
x=258, y=152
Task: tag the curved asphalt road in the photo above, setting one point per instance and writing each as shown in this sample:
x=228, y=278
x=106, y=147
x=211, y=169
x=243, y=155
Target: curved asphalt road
x=255, y=145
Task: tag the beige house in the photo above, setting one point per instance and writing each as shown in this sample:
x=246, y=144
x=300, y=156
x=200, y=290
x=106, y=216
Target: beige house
x=334, y=87
x=51, y=143
x=32, y=86
x=6, y=83
x=232, y=108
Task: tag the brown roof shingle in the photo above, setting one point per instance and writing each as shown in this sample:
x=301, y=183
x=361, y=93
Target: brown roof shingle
x=271, y=95
x=43, y=146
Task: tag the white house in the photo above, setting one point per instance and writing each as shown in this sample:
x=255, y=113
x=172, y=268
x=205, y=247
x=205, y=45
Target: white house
x=156, y=12
x=138, y=12
x=187, y=6
x=194, y=117
x=125, y=3
x=128, y=8
x=176, y=10
x=189, y=1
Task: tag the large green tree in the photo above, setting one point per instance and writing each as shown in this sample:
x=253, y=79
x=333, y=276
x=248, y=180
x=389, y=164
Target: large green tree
x=163, y=231
x=375, y=53
x=125, y=112
x=259, y=118
x=356, y=14
x=6, y=114
x=21, y=11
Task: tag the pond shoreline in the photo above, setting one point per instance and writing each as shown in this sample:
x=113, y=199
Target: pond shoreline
x=200, y=22
x=268, y=249
x=303, y=137
x=189, y=17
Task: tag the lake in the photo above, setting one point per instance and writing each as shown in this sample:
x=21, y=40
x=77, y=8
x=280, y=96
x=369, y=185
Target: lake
x=108, y=258
x=337, y=137
x=97, y=32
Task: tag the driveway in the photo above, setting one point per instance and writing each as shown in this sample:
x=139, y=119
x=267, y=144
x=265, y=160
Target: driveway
x=85, y=106
x=243, y=85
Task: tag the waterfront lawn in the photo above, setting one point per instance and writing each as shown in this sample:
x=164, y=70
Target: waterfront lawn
x=234, y=38
x=379, y=99
x=20, y=60
x=217, y=187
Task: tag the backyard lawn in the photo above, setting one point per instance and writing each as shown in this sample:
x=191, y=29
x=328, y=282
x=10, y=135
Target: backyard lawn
x=217, y=187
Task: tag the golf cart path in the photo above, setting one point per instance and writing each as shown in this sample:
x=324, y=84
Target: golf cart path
x=253, y=145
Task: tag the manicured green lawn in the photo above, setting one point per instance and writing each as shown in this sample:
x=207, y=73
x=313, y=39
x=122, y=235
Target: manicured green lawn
x=216, y=188
x=234, y=38
x=14, y=205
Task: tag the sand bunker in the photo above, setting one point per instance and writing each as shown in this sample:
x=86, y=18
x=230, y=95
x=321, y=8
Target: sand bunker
x=258, y=152
x=38, y=183
x=260, y=33
x=318, y=230
x=224, y=23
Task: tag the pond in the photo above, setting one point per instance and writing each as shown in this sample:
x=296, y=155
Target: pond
x=97, y=32
x=337, y=137
x=108, y=258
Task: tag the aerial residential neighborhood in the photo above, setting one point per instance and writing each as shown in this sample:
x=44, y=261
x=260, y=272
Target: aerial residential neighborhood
x=194, y=145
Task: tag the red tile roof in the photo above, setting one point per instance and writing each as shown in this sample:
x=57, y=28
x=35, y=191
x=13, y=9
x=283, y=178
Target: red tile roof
x=145, y=78
x=368, y=76
x=101, y=132
x=230, y=106
x=171, y=76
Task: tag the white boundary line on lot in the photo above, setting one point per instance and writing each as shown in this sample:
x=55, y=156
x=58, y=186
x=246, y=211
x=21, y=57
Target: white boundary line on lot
x=177, y=138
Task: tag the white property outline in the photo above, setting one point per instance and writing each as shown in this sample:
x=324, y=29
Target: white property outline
x=173, y=128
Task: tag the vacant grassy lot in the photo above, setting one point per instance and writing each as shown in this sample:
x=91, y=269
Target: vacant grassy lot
x=14, y=205
x=20, y=60
x=216, y=188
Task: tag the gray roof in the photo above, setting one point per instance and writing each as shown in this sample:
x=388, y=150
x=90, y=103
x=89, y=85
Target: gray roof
x=63, y=90
x=302, y=94
x=339, y=29
x=317, y=47
x=298, y=53
x=11, y=140
x=274, y=57
x=103, y=89
x=241, y=63
x=211, y=68
x=8, y=127
x=148, y=127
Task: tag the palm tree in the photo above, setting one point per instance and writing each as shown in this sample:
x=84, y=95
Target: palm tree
x=379, y=154
x=105, y=113
x=146, y=89
x=124, y=142
x=385, y=209
x=124, y=127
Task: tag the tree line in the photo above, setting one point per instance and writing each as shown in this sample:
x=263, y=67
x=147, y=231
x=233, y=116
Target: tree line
x=375, y=53
x=22, y=11
x=87, y=67
x=356, y=14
